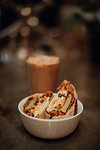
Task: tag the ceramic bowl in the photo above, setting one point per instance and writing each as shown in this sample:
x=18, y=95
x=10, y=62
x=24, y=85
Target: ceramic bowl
x=49, y=128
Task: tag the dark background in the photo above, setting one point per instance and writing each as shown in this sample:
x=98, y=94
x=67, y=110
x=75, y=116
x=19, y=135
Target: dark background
x=68, y=29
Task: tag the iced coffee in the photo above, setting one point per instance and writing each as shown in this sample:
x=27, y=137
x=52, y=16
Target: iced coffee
x=43, y=71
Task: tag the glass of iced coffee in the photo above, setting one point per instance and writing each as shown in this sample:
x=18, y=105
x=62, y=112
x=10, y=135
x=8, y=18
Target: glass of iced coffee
x=43, y=72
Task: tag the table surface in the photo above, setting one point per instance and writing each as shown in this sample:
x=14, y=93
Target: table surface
x=14, y=86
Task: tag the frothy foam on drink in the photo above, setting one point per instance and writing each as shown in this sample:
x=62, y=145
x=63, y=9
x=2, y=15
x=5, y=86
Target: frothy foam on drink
x=43, y=60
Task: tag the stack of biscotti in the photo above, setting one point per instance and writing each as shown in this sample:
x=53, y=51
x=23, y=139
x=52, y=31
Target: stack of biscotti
x=62, y=104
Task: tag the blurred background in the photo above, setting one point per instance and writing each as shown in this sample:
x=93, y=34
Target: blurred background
x=69, y=29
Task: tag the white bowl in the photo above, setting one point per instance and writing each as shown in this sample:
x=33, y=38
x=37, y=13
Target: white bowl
x=49, y=128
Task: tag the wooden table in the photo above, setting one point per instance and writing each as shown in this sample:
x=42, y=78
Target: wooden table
x=14, y=87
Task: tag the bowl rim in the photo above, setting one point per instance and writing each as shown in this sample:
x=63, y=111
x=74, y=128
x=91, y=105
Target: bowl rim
x=49, y=120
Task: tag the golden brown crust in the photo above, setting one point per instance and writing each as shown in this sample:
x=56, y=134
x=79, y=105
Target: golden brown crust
x=63, y=84
x=76, y=108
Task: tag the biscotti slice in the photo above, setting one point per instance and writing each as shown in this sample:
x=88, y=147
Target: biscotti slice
x=36, y=104
x=64, y=102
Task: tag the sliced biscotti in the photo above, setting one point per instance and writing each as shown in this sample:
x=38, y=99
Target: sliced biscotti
x=36, y=104
x=64, y=102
